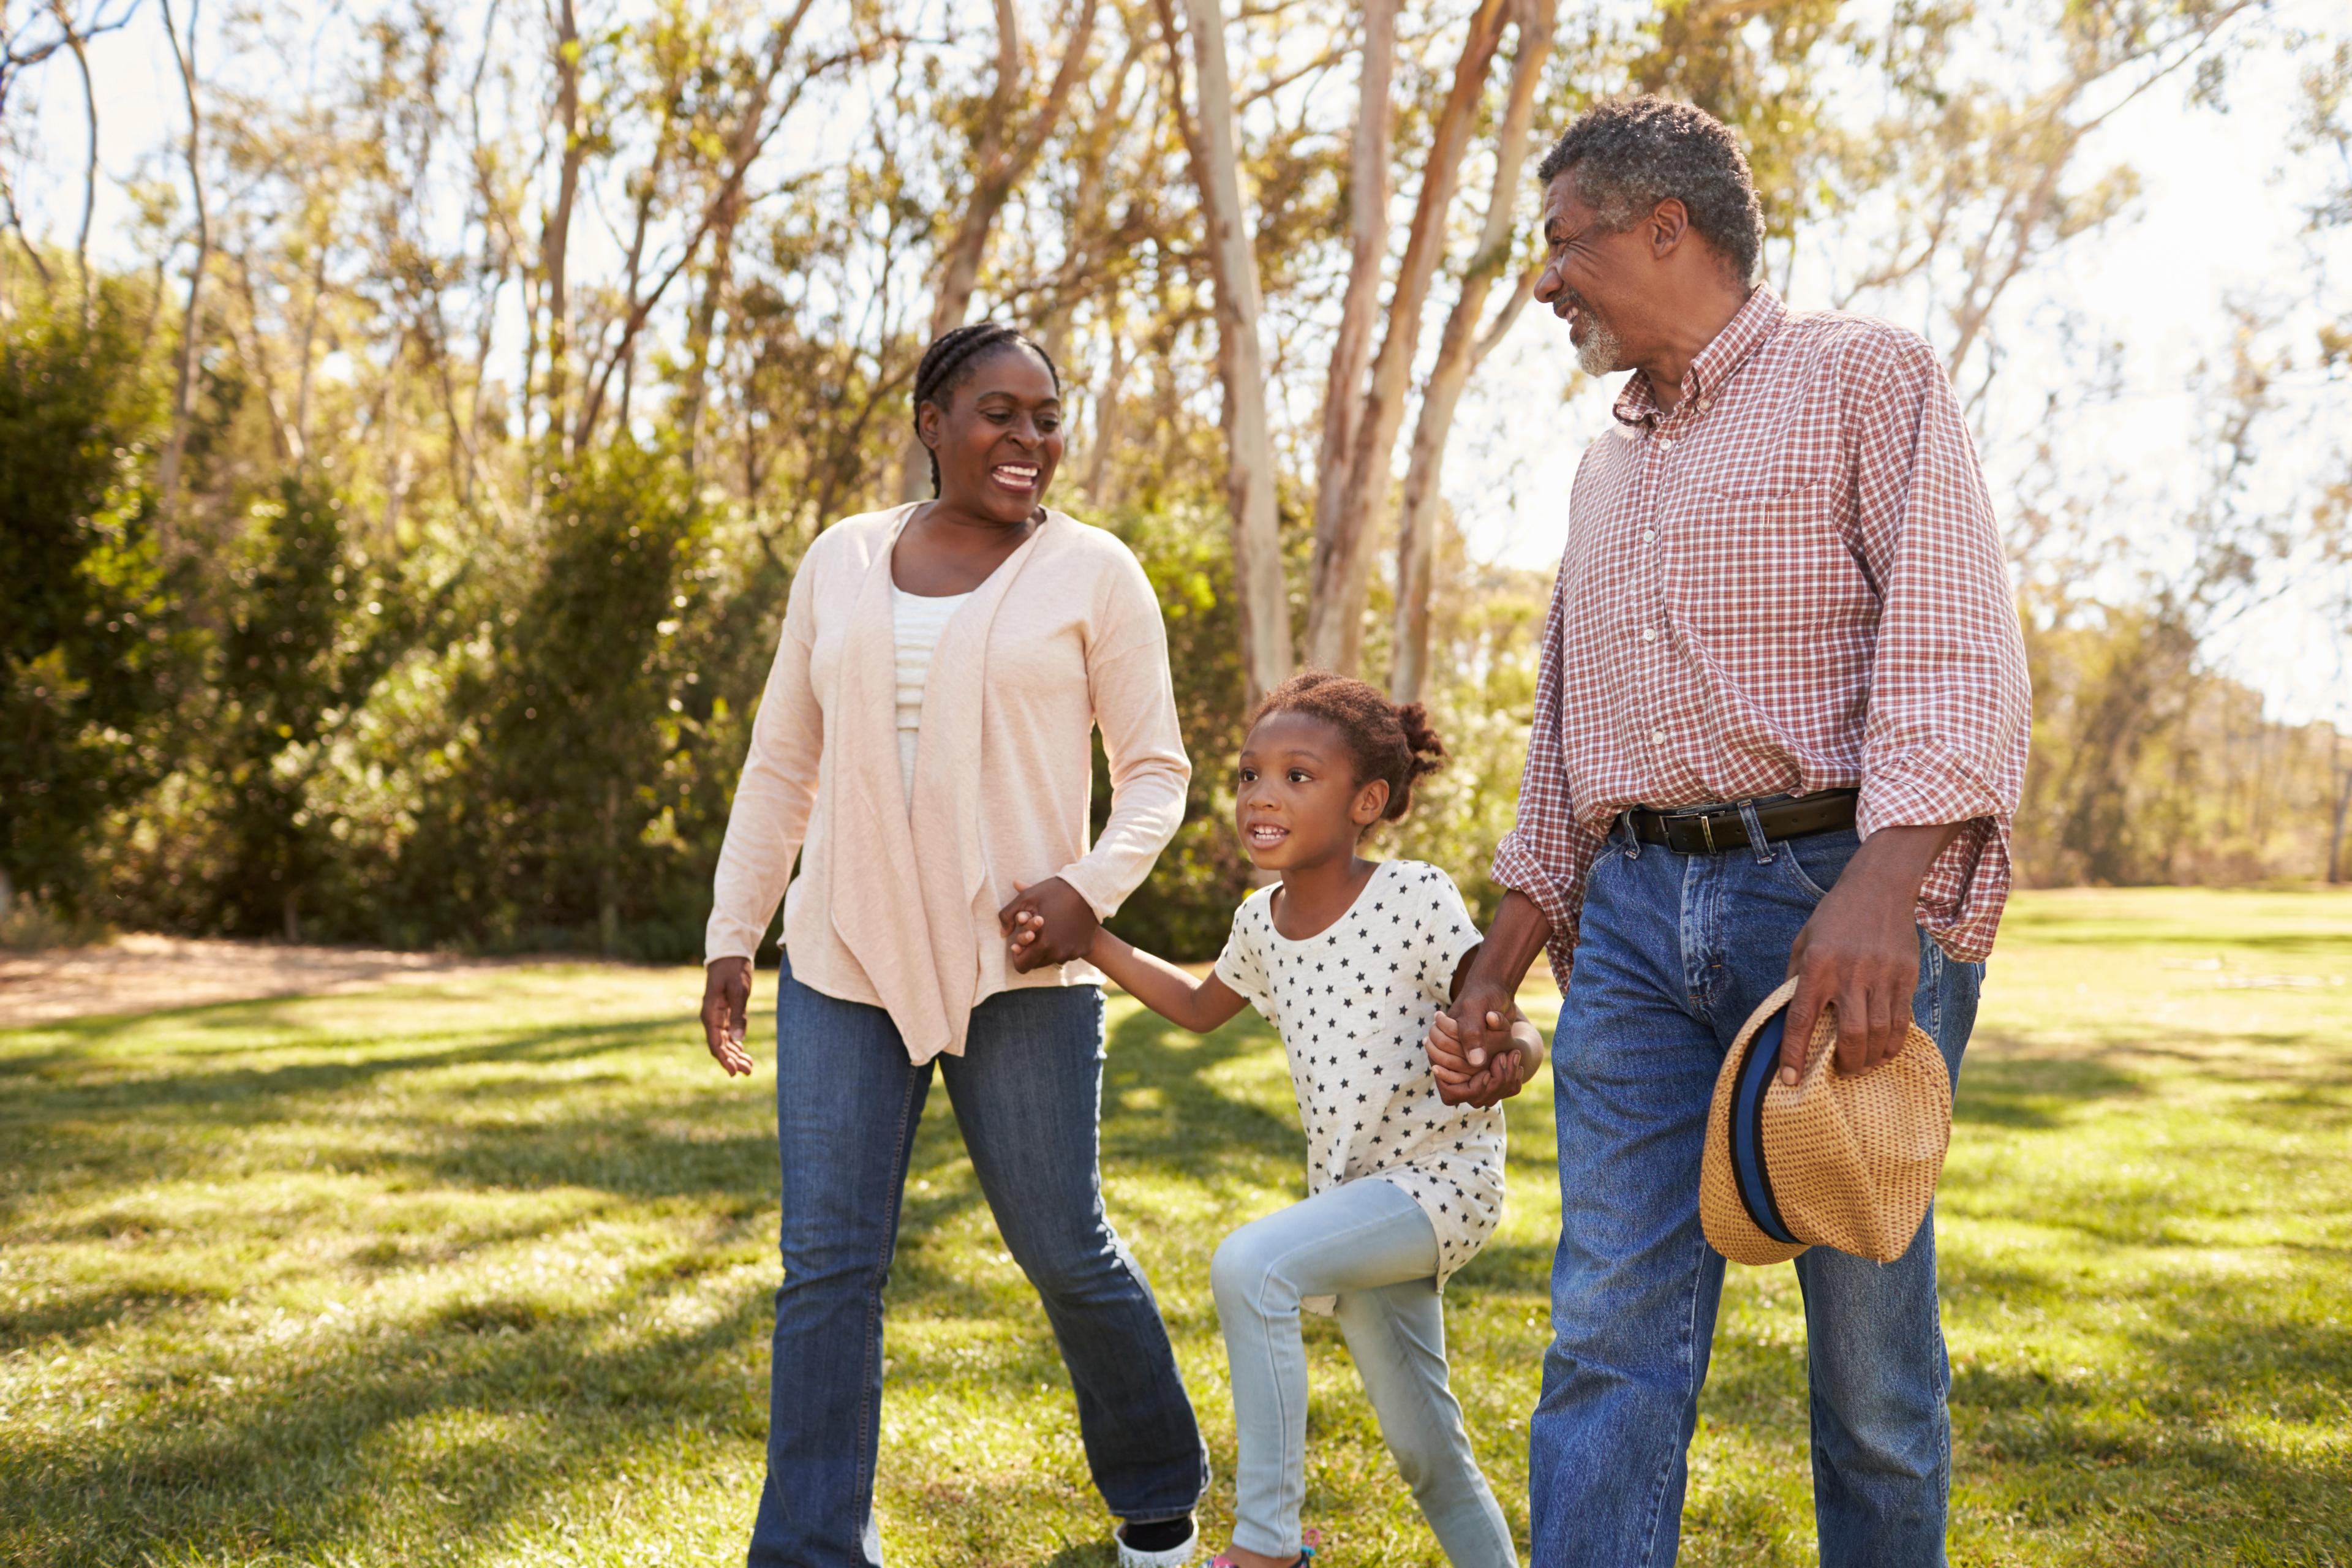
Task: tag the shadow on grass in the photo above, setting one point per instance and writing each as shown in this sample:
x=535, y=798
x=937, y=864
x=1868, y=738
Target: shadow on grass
x=451, y=1423
x=2210, y=1434
x=341, y=1451
x=108, y=1087
x=1197, y=1129
x=476, y=1415
x=2034, y=1092
x=2207, y=1452
x=2058, y=930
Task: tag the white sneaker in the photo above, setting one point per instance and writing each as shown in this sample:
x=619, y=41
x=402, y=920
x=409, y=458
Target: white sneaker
x=1175, y=1556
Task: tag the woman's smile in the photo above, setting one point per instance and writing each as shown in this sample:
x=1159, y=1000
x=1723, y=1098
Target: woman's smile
x=1020, y=479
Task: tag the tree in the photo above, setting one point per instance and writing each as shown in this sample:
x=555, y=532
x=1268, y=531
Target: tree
x=1976, y=174
x=1008, y=133
x=309, y=634
x=1460, y=347
x=91, y=660
x=1371, y=150
x=167, y=479
x=1211, y=142
x=1340, y=575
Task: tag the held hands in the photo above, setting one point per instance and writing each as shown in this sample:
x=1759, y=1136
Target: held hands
x=1046, y=924
x=726, y=1004
x=1501, y=1073
x=1477, y=1022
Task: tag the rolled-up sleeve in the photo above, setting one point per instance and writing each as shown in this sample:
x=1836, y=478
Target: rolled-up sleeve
x=774, y=796
x=1548, y=853
x=1134, y=699
x=1947, y=724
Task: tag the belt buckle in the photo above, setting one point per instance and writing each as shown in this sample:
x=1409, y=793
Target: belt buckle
x=1707, y=829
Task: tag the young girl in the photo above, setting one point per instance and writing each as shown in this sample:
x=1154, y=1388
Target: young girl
x=1350, y=959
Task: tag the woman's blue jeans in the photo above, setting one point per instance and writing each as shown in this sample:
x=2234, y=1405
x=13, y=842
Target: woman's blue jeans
x=1675, y=952
x=1027, y=1093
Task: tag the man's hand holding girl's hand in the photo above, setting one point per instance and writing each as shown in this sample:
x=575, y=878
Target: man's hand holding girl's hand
x=1503, y=1073
x=726, y=1008
x=1048, y=924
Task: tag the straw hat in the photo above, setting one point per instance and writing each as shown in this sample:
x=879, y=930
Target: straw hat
x=1842, y=1160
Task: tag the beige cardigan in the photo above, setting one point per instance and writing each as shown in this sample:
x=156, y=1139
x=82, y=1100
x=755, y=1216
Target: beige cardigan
x=897, y=908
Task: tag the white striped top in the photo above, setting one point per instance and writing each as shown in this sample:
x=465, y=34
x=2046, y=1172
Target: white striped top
x=916, y=623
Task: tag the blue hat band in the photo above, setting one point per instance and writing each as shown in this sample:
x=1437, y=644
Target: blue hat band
x=1755, y=1183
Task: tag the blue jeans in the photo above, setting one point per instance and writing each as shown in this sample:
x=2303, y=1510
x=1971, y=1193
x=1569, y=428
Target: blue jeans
x=1028, y=1095
x=1368, y=1244
x=1675, y=952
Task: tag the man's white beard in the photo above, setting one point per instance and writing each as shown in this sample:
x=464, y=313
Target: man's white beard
x=1600, y=353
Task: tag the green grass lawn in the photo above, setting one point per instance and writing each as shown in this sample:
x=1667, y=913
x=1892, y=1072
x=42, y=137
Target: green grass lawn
x=480, y=1273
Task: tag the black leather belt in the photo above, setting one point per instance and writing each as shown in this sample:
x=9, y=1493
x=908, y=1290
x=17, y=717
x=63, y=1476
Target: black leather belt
x=1712, y=829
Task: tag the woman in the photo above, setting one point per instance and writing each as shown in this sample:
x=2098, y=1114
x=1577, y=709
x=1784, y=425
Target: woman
x=925, y=745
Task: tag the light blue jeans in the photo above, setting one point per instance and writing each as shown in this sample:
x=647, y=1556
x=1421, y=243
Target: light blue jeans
x=1675, y=952
x=1367, y=1243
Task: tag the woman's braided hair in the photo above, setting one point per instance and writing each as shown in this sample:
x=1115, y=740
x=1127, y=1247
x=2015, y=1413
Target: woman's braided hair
x=1389, y=741
x=949, y=362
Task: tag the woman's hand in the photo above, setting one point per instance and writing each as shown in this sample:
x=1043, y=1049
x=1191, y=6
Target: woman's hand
x=1048, y=924
x=726, y=1007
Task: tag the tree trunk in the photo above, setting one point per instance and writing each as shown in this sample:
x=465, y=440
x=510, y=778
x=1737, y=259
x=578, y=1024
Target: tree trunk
x=89, y=164
x=1417, y=538
x=633, y=279
x=1106, y=424
x=1212, y=143
x=176, y=444
x=1001, y=161
x=694, y=394
x=608, y=880
x=1459, y=351
x=1368, y=248
x=555, y=236
x=1341, y=580
x=2336, y=868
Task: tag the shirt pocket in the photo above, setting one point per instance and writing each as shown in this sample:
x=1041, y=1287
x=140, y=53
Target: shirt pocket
x=1758, y=568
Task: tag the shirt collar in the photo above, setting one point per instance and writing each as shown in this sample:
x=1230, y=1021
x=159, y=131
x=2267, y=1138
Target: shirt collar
x=1749, y=328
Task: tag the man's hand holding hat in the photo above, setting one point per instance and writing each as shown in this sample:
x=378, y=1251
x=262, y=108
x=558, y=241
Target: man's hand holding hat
x=1860, y=951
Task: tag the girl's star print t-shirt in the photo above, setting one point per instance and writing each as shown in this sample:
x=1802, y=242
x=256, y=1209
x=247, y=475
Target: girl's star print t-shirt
x=1353, y=1004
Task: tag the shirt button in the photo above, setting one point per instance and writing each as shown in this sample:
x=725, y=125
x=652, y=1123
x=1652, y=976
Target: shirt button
x=1648, y=634
x=1702, y=405
x=1666, y=443
x=1658, y=737
x=1649, y=536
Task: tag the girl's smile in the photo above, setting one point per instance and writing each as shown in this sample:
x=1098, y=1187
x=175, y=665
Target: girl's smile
x=1265, y=834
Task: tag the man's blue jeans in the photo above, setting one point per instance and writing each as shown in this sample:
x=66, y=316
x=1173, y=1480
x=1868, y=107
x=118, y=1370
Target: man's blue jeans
x=1675, y=952
x=1027, y=1094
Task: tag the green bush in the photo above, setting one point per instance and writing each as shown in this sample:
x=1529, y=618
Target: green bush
x=93, y=659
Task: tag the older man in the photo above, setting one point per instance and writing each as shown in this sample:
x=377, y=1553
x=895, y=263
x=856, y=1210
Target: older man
x=1780, y=729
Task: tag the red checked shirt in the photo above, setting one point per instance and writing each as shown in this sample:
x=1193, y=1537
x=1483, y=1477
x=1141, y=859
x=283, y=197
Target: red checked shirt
x=1791, y=582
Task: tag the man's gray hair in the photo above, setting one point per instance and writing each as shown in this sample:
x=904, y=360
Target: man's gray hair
x=1630, y=153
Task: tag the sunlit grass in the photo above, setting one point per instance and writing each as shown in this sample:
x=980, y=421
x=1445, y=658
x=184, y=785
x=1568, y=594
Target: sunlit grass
x=480, y=1274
